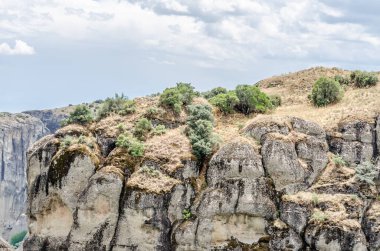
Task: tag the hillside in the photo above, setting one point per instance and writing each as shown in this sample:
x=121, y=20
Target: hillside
x=157, y=174
x=294, y=89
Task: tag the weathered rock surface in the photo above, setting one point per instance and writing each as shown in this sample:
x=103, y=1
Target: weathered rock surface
x=17, y=133
x=276, y=189
x=4, y=246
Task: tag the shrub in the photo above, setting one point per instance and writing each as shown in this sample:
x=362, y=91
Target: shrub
x=18, y=238
x=319, y=216
x=225, y=102
x=366, y=172
x=187, y=92
x=339, y=161
x=364, y=79
x=200, y=127
x=186, y=214
x=275, y=100
x=314, y=199
x=119, y=104
x=174, y=98
x=81, y=115
x=326, y=91
x=171, y=98
x=159, y=130
x=142, y=128
x=133, y=145
x=342, y=80
x=251, y=99
x=214, y=92
x=66, y=142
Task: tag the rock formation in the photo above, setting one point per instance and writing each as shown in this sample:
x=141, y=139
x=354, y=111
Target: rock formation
x=274, y=187
x=17, y=133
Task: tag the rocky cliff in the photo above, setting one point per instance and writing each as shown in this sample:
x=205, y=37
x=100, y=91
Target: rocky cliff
x=17, y=133
x=281, y=183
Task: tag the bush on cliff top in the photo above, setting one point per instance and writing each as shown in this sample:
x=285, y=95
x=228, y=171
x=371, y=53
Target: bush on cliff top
x=364, y=79
x=174, y=98
x=214, y=92
x=142, y=128
x=81, y=115
x=326, y=91
x=251, y=99
x=226, y=102
x=119, y=104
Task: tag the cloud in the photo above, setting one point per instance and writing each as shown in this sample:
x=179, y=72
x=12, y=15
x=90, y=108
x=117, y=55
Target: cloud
x=223, y=33
x=20, y=48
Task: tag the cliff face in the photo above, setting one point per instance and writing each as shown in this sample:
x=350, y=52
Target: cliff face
x=17, y=133
x=274, y=187
x=51, y=118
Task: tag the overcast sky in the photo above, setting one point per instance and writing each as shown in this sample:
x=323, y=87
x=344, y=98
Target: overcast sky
x=59, y=52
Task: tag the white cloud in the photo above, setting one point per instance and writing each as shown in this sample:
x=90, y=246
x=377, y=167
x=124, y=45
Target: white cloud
x=220, y=33
x=20, y=48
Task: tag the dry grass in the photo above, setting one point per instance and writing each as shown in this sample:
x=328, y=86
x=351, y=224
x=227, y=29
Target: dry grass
x=169, y=149
x=295, y=87
x=120, y=158
x=114, y=170
x=230, y=126
x=151, y=181
x=333, y=207
x=72, y=130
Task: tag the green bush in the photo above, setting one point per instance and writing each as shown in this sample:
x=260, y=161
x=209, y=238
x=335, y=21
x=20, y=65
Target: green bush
x=364, y=79
x=174, y=98
x=18, y=238
x=200, y=127
x=214, y=92
x=186, y=214
x=142, y=128
x=366, y=172
x=251, y=99
x=119, y=104
x=226, y=102
x=171, y=98
x=81, y=115
x=159, y=130
x=339, y=161
x=326, y=91
x=342, y=80
x=133, y=145
x=275, y=100
x=187, y=92
x=319, y=216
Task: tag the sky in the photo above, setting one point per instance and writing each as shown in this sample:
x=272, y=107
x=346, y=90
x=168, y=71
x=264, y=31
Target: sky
x=59, y=52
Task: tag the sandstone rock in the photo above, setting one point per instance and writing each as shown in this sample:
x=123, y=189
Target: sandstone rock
x=54, y=194
x=235, y=160
x=371, y=226
x=97, y=213
x=143, y=223
x=283, y=237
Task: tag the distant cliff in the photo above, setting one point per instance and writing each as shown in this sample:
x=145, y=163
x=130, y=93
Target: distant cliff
x=17, y=133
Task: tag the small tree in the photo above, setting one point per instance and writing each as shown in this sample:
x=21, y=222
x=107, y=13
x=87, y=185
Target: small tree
x=251, y=99
x=326, y=91
x=226, y=102
x=81, y=115
x=18, y=238
x=200, y=127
